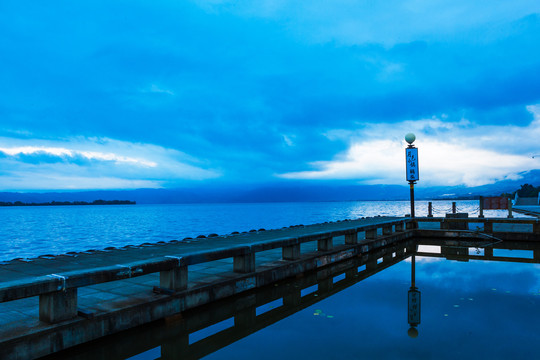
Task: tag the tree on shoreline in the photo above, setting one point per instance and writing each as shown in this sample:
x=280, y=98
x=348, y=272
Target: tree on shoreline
x=526, y=190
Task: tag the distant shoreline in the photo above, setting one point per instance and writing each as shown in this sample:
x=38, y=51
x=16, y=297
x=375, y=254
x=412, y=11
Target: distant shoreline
x=72, y=203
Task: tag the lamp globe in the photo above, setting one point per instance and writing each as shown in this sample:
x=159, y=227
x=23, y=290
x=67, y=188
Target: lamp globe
x=410, y=137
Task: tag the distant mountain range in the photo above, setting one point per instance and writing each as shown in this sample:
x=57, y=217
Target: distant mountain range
x=279, y=192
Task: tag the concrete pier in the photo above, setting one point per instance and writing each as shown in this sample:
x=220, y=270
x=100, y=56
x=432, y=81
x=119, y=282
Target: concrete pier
x=52, y=303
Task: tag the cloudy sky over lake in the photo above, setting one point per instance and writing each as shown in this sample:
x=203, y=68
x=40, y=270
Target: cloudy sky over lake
x=138, y=94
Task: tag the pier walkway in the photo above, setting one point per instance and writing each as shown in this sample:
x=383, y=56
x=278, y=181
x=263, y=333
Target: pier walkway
x=530, y=210
x=52, y=303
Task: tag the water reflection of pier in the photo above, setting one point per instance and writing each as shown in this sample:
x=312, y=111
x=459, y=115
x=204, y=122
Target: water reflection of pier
x=478, y=250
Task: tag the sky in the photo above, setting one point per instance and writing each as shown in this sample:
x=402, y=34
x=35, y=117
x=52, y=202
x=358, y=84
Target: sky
x=164, y=94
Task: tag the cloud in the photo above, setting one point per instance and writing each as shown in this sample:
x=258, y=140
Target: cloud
x=67, y=154
x=74, y=163
x=156, y=89
x=258, y=88
x=450, y=153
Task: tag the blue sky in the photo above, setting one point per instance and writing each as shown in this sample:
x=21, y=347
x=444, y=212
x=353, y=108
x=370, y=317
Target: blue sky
x=133, y=94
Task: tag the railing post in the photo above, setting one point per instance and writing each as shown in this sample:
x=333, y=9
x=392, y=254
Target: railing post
x=58, y=306
x=245, y=318
x=325, y=285
x=325, y=244
x=371, y=264
x=291, y=252
x=536, y=227
x=175, y=279
x=177, y=344
x=351, y=239
x=430, y=209
x=411, y=225
x=444, y=225
x=488, y=227
x=293, y=298
x=351, y=274
x=371, y=234
x=510, y=216
x=244, y=263
x=453, y=207
x=481, y=215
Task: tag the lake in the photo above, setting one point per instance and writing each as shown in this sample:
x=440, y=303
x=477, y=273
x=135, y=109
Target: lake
x=27, y=232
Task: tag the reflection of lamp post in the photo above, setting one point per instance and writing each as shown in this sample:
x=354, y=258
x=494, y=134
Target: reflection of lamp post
x=411, y=157
x=413, y=312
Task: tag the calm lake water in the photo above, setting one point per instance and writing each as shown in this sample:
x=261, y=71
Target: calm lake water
x=27, y=232
x=474, y=310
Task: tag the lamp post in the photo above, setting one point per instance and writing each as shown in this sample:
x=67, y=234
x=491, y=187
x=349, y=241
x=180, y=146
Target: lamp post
x=411, y=157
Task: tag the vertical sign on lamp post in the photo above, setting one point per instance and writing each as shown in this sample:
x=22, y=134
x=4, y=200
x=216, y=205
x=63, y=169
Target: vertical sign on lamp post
x=411, y=158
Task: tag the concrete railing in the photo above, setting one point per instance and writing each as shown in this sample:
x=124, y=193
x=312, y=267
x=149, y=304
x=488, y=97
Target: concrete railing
x=58, y=291
x=449, y=223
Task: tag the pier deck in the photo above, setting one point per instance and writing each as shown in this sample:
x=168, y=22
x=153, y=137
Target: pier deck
x=54, y=302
